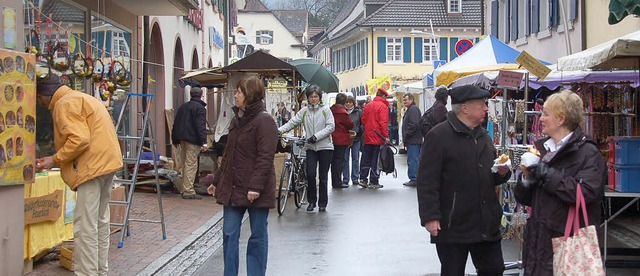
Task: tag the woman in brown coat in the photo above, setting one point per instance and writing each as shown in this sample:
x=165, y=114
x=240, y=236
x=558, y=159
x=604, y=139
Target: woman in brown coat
x=568, y=158
x=246, y=180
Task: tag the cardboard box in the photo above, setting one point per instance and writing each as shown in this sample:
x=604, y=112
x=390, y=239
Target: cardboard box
x=66, y=254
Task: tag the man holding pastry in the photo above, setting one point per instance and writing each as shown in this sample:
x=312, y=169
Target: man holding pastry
x=457, y=201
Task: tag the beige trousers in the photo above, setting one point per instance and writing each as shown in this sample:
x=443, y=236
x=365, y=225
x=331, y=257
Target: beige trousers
x=91, y=226
x=189, y=158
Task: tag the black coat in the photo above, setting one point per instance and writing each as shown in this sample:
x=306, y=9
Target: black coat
x=358, y=127
x=190, y=123
x=455, y=184
x=579, y=160
x=411, y=126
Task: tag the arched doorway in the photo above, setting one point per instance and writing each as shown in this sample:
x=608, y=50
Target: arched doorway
x=156, y=86
x=178, y=70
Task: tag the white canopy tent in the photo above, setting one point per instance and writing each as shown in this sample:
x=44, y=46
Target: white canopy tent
x=619, y=53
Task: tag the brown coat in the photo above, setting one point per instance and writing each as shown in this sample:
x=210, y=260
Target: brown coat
x=247, y=163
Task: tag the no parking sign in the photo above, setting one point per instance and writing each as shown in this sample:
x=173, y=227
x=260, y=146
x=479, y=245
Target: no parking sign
x=463, y=45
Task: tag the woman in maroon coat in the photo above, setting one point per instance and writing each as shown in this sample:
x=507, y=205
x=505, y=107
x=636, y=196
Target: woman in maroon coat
x=341, y=139
x=246, y=179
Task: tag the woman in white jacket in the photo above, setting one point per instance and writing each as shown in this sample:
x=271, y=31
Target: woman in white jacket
x=318, y=124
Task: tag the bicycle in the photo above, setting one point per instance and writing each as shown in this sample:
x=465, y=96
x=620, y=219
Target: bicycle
x=294, y=175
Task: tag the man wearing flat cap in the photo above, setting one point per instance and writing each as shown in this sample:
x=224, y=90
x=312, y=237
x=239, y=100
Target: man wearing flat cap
x=457, y=201
x=88, y=154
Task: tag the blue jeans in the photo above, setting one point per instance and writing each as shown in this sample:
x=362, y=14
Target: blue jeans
x=354, y=152
x=369, y=165
x=413, y=159
x=257, y=247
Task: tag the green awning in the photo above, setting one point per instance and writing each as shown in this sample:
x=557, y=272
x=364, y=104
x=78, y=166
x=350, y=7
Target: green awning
x=619, y=9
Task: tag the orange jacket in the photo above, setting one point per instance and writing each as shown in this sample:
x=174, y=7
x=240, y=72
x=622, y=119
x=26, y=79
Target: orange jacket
x=84, y=136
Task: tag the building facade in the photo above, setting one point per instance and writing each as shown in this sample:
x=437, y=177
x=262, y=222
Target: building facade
x=399, y=38
x=538, y=27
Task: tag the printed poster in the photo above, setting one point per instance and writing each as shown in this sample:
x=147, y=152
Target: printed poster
x=10, y=35
x=17, y=118
x=374, y=84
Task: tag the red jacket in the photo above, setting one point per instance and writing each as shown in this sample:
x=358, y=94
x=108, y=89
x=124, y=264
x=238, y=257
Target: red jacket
x=344, y=123
x=376, y=116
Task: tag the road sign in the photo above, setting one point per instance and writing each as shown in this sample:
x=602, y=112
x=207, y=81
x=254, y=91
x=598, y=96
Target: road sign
x=533, y=65
x=463, y=45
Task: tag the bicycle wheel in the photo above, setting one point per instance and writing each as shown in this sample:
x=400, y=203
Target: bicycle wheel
x=300, y=193
x=285, y=185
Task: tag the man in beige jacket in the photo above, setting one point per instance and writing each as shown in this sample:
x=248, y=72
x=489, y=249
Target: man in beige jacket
x=88, y=154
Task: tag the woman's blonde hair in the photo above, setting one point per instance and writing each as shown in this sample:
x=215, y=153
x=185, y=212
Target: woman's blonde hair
x=566, y=104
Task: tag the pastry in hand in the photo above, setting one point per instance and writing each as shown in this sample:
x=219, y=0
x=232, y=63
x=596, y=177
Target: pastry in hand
x=503, y=159
x=534, y=151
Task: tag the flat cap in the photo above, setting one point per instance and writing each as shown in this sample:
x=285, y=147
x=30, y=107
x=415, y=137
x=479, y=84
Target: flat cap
x=465, y=93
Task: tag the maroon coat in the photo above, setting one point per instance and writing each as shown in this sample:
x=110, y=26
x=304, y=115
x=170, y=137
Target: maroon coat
x=247, y=162
x=344, y=123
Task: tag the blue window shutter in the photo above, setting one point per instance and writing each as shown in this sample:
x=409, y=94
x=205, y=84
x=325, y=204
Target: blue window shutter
x=535, y=16
x=514, y=19
x=555, y=14
x=494, y=18
x=108, y=44
x=452, y=46
x=476, y=40
x=406, y=49
x=348, y=58
x=527, y=24
x=382, y=49
x=573, y=10
x=417, y=49
x=444, y=51
x=257, y=37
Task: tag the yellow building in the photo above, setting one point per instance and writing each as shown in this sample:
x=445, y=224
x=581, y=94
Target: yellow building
x=403, y=39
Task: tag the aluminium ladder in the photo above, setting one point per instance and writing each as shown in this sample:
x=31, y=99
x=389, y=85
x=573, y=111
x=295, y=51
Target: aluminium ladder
x=132, y=147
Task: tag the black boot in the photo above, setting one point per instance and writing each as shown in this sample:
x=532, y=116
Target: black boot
x=311, y=207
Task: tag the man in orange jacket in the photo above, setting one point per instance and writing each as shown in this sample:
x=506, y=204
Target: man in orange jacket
x=88, y=154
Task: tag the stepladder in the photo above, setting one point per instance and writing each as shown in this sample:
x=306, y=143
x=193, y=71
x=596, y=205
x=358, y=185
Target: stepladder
x=136, y=139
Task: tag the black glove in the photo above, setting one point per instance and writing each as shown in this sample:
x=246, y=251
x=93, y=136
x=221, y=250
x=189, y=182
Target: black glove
x=541, y=171
x=312, y=140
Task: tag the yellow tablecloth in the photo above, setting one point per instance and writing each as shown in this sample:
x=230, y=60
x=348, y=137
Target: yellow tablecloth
x=45, y=235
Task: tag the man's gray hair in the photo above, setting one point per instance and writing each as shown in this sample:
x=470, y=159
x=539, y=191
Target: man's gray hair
x=196, y=92
x=456, y=108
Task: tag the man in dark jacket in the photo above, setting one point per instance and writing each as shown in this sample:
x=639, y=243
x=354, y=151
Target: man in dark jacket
x=375, y=119
x=411, y=137
x=457, y=200
x=341, y=139
x=437, y=113
x=189, y=132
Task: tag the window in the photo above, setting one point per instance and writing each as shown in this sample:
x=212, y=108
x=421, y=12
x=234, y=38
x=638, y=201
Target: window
x=455, y=6
x=503, y=21
x=429, y=50
x=394, y=50
x=523, y=18
x=264, y=37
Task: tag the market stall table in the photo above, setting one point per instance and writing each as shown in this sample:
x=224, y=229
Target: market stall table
x=608, y=194
x=45, y=235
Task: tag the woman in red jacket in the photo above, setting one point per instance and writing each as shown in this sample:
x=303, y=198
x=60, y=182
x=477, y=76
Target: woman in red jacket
x=246, y=179
x=341, y=139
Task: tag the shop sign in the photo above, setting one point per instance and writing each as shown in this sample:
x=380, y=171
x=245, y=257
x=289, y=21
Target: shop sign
x=277, y=86
x=43, y=208
x=195, y=17
x=509, y=79
x=533, y=65
x=215, y=38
